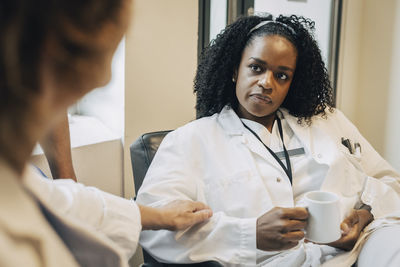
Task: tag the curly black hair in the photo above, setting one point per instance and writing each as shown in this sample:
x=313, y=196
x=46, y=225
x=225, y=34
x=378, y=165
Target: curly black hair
x=310, y=92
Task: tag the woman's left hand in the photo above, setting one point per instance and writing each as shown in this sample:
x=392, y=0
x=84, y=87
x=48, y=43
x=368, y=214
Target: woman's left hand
x=351, y=229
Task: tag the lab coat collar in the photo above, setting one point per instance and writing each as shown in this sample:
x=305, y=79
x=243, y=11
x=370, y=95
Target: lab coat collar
x=315, y=138
x=302, y=131
x=233, y=126
x=230, y=121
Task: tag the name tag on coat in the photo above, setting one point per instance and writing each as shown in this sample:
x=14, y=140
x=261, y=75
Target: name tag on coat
x=291, y=152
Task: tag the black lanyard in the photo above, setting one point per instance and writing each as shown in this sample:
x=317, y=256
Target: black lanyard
x=288, y=169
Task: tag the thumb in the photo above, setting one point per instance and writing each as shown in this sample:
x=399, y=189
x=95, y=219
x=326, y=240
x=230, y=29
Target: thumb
x=348, y=223
x=345, y=228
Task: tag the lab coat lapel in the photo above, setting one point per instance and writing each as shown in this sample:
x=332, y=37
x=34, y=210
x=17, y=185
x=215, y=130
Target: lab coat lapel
x=321, y=140
x=255, y=146
x=233, y=126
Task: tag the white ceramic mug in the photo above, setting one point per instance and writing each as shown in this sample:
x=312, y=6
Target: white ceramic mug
x=324, y=217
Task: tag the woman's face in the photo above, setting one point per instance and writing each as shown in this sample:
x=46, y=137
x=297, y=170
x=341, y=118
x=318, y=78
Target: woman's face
x=264, y=76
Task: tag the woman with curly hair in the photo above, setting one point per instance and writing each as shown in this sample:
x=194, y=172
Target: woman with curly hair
x=266, y=134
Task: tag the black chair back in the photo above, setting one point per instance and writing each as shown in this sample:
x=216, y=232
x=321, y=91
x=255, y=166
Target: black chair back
x=142, y=153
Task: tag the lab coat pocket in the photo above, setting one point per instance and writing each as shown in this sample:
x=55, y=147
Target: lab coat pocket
x=354, y=159
x=353, y=175
x=238, y=195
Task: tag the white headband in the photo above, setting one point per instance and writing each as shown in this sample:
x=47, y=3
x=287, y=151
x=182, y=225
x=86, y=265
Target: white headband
x=264, y=22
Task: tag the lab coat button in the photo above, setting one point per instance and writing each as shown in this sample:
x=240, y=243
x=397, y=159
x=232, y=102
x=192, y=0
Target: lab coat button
x=278, y=180
x=244, y=140
x=319, y=156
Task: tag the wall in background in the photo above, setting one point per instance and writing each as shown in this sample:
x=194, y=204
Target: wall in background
x=369, y=82
x=161, y=58
x=317, y=10
x=392, y=135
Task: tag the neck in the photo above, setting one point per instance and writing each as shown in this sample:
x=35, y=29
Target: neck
x=267, y=121
x=17, y=139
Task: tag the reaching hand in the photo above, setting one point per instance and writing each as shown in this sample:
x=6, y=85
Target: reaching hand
x=281, y=228
x=351, y=229
x=176, y=215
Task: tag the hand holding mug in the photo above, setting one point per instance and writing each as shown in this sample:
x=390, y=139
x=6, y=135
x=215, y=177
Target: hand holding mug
x=281, y=228
x=351, y=229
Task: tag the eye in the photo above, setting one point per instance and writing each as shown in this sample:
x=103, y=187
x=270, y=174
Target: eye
x=255, y=68
x=282, y=76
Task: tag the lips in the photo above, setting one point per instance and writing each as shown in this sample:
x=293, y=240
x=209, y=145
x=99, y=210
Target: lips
x=262, y=98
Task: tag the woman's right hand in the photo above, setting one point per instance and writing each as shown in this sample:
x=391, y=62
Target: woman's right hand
x=281, y=228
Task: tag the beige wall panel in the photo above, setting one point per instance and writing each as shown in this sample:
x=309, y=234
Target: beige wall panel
x=375, y=64
x=161, y=58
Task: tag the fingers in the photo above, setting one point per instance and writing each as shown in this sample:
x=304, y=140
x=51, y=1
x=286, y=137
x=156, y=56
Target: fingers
x=201, y=212
x=294, y=225
x=293, y=236
x=281, y=228
x=199, y=206
x=295, y=213
x=202, y=215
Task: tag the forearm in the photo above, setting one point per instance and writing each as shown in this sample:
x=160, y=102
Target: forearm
x=57, y=148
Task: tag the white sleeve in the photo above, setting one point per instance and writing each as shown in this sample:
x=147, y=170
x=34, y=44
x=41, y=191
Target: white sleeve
x=225, y=239
x=115, y=217
x=382, y=185
x=174, y=174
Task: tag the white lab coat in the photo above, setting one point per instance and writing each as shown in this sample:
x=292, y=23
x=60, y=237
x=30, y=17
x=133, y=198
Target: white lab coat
x=86, y=215
x=212, y=160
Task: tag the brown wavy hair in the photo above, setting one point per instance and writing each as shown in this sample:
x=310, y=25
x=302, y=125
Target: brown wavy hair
x=25, y=25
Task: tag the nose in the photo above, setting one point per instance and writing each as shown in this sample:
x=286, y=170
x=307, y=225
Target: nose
x=265, y=80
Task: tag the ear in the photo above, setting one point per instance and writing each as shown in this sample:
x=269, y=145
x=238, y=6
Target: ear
x=234, y=75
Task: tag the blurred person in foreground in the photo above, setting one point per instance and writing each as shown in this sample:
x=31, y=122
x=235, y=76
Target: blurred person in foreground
x=51, y=54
